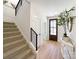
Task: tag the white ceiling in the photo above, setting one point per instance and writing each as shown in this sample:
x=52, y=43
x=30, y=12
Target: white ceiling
x=54, y=2
x=48, y=7
x=52, y=7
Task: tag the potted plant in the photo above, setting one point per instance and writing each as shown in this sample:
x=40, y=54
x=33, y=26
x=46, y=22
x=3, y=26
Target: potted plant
x=64, y=19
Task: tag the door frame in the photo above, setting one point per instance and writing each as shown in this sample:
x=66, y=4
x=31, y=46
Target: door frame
x=56, y=28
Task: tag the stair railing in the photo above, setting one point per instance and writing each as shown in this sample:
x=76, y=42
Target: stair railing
x=18, y=6
x=34, y=38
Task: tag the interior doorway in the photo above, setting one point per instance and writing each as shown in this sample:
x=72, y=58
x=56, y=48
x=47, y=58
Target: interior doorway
x=53, y=29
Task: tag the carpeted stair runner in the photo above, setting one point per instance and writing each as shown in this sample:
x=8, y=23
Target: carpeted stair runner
x=14, y=45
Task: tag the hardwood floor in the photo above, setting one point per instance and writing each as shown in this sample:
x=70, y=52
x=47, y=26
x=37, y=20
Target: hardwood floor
x=50, y=50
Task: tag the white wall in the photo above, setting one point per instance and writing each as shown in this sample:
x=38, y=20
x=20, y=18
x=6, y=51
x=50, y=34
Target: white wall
x=44, y=8
x=8, y=14
x=50, y=8
x=35, y=21
x=23, y=19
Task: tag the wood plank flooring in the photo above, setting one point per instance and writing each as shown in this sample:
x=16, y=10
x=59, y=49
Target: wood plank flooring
x=50, y=50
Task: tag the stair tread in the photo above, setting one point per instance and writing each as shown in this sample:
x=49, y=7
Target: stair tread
x=20, y=56
x=32, y=57
x=9, y=47
x=6, y=34
x=8, y=22
x=11, y=43
x=10, y=26
x=12, y=37
x=14, y=50
x=6, y=29
x=11, y=32
x=29, y=56
x=14, y=45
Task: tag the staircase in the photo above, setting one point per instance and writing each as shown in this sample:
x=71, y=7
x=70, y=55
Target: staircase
x=14, y=45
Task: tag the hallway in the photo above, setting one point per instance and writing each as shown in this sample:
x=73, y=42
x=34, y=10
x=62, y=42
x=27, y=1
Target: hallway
x=50, y=50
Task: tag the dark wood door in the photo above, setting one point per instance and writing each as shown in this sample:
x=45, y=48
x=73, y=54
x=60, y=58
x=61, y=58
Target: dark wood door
x=53, y=29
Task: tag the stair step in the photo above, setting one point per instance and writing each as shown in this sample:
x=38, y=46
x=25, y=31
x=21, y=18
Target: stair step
x=12, y=45
x=13, y=52
x=9, y=26
x=12, y=38
x=23, y=54
x=9, y=23
x=30, y=55
x=6, y=25
x=9, y=34
x=10, y=29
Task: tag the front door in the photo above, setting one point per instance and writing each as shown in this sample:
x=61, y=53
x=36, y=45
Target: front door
x=53, y=29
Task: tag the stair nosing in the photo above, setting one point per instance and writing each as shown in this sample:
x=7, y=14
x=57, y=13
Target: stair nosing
x=10, y=28
x=8, y=22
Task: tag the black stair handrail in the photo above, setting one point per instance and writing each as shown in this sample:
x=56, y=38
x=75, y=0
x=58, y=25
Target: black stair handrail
x=18, y=6
x=36, y=38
